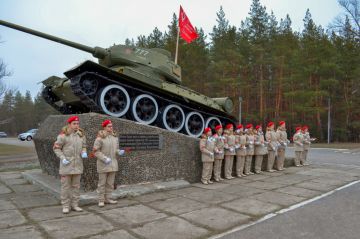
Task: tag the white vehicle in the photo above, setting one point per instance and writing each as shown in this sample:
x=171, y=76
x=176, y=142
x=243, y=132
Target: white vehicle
x=28, y=135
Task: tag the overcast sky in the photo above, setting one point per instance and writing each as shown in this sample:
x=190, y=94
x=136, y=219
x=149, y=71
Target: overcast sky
x=103, y=23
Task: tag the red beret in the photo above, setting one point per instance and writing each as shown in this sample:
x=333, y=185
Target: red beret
x=240, y=126
x=217, y=127
x=248, y=126
x=105, y=123
x=258, y=127
x=298, y=128
x=305, y=127
x=270, y=124
x=206, y=130
x=281, y=123
x=228, y=126
x=73, y=118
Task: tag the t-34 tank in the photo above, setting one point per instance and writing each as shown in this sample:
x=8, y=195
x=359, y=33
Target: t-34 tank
x=138, y=84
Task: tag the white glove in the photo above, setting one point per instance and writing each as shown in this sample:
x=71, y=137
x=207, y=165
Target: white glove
x=237, y=146
x=263, y=145
x=232, y=149
x=84, y=155
x=212, y=154
x=120, y=152
x=221, y=152
x=107, y=160
x=251, y=142
x=65, y=162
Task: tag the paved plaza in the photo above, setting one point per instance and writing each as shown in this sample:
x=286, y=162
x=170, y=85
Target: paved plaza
x=195, y=211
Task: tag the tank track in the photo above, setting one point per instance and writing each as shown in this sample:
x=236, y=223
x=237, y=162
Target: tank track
x=85, y=99
x=93, y=106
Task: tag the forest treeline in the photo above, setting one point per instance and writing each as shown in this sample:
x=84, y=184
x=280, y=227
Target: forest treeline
x=281, y=74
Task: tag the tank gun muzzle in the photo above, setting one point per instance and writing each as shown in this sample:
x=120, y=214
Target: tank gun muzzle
x=97, y=52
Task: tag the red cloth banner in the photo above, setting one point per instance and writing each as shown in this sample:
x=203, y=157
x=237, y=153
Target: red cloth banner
x=187, y=31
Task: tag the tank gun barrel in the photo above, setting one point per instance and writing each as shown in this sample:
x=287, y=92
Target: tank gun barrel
x=97, y=52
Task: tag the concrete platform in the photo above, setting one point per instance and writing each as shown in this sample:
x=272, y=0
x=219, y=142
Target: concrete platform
x=175, y=209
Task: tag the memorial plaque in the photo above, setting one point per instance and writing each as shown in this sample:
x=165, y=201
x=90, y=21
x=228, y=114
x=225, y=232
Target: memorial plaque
x=141, y=141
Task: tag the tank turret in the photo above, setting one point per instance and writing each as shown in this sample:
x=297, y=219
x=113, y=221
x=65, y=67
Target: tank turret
x=135, y=83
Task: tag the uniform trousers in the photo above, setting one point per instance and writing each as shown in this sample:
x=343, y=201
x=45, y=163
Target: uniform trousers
x=258, y=163
x=247, y=167
x=229, y=159
x=298, y=155
x=240, y=163
x=271, y=159
x=217, y=169
x=304, y=157
x=70, y=186
x=280, y=159
x=105, y=186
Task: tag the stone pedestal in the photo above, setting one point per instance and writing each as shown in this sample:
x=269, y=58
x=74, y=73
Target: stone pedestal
x=178, y=157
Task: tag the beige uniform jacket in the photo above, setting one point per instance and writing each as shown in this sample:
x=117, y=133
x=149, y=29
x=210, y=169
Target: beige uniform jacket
x=69, y=146
x=207, y=148
x=260, y=148
x=298, y=142
x=241, y=145
x=271, y=139
x=250, y=144
x=230, y=145
x=106, y=146
x=307, y=141
x=219, y=146
x=282, y=138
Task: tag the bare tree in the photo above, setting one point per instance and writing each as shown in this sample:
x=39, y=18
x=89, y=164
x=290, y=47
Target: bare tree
x=350, y=16
x=3, y=73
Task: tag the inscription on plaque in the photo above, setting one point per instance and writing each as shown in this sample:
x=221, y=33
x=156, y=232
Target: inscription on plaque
x=141, y=141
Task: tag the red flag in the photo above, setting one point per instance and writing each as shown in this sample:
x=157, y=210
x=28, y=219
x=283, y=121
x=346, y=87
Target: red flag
x=187, y=31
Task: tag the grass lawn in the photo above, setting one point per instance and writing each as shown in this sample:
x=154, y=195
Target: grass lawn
x=6, y=150
x=337, y=145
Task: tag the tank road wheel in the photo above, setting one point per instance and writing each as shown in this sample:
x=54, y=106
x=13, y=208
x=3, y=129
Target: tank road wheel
x=89, y=84
x=173, y=118
x=114, y=100
x=194, y=124
x=145, y=109
x=212, y=122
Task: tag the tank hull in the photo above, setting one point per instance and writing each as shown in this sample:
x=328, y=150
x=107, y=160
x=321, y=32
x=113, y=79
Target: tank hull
x=81, y=98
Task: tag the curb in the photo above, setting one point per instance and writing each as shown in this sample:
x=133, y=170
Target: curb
x=52, y=186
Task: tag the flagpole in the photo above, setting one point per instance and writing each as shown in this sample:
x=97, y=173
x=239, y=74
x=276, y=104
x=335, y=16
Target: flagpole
x=177, y=45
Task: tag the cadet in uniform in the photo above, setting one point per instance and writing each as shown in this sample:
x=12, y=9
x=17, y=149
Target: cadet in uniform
x=240, y=141
x=219, y=152
x=250, y=141
x=283, y=142
x=299, y=146
x=207, y=148
x=272, y=145
x=229, y=151
x=106, y=148
x=307, y=142
x=260, y=149
x=70, y=148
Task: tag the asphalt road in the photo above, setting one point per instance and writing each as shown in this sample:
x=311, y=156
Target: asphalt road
x=331, y=217
x=17, y=142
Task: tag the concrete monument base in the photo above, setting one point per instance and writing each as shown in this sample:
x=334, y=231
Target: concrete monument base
x=158, y=155
x=170, y=156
